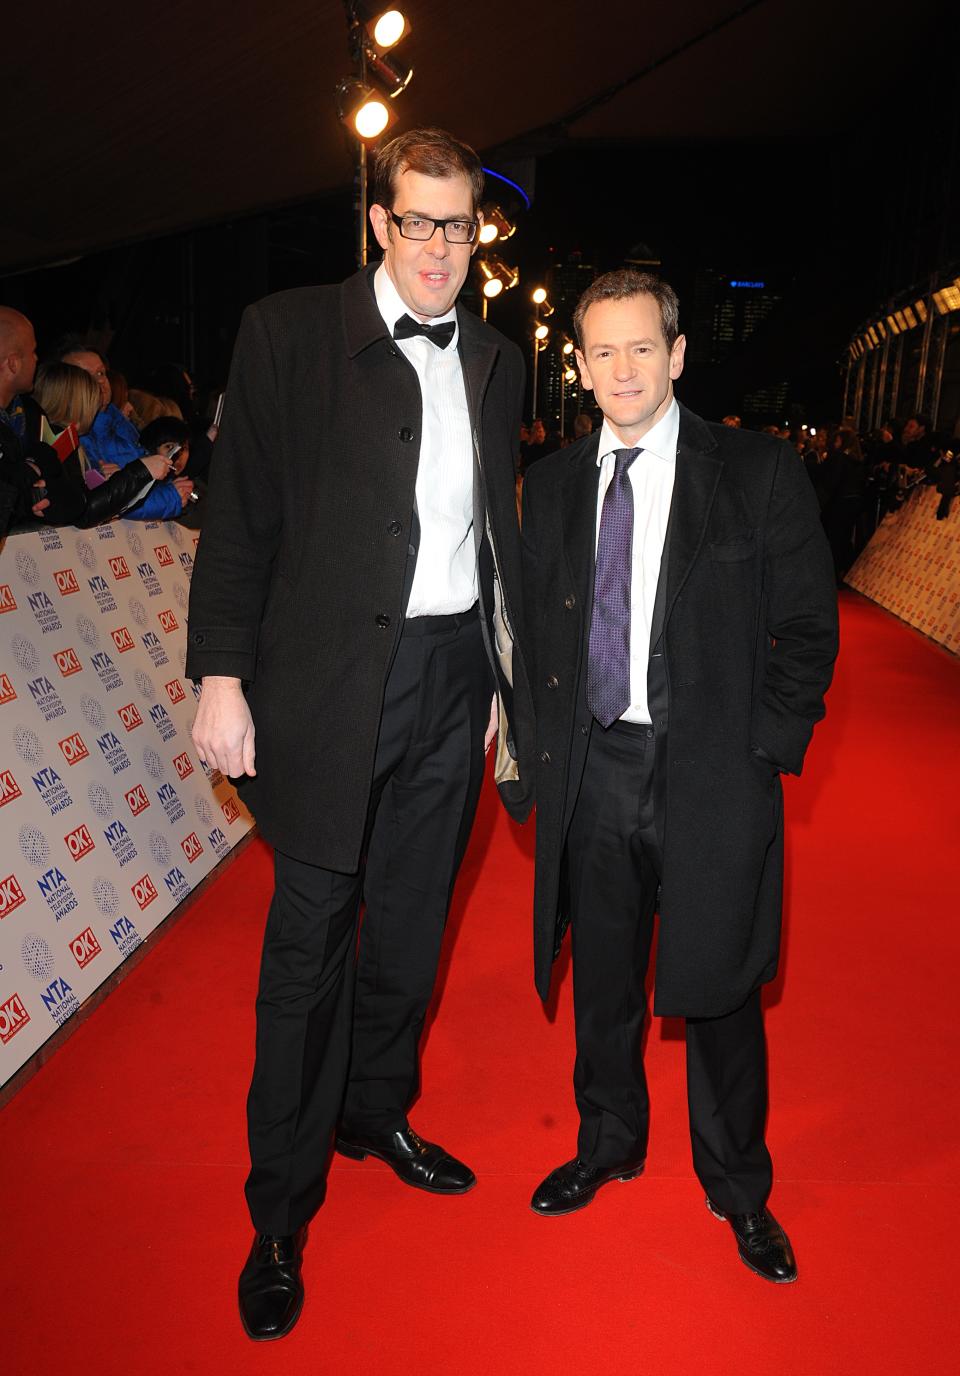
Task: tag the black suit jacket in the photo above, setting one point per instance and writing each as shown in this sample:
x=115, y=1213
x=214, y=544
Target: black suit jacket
x=742, y=657
x=304, y=564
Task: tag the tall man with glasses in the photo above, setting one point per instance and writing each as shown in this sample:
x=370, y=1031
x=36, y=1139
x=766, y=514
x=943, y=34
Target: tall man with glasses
x=360, y=620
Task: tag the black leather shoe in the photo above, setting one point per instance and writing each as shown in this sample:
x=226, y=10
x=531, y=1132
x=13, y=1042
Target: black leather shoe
x=762, y=1244
x=421, y=1164
x=270, y=1289
x=573, y=1185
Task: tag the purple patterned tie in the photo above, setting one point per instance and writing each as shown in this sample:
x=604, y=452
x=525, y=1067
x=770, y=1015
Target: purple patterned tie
x=608, y=662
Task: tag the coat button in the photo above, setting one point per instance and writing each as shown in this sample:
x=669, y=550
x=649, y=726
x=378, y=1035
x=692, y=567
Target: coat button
x=553, y=681
x=199, y=638
x=544, y=756
x=405, y=433
x=569, y=601
x=584, y=730
x=394, y=528
x=383, y=621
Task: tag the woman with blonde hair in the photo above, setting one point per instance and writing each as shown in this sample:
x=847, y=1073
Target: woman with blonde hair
x=71, y=400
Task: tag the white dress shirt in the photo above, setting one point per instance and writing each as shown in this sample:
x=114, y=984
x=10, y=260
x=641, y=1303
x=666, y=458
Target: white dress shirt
x=445, y=578
x=651, y=479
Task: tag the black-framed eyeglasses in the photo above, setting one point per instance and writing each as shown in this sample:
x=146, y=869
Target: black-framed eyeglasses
x=422, y=227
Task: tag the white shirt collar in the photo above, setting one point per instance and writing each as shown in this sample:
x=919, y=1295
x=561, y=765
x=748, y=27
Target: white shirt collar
x=392, y=306
x=661, y=440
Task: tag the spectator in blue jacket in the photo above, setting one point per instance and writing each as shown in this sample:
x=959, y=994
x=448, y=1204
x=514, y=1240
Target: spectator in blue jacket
x=113, y=442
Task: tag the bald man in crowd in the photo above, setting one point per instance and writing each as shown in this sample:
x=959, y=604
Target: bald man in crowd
x=23, y=459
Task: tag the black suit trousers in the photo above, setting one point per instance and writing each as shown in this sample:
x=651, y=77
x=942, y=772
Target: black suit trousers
x=614, y=851
x=339, y=1015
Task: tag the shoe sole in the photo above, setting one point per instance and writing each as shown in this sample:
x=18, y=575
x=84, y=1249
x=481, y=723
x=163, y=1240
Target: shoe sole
x=272, y=1337
x=575, y=1208
x=774, y=1280
x=353, y=1153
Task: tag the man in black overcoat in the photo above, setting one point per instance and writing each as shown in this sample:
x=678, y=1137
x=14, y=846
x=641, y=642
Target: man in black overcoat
x=680, y=632
x=353, y=604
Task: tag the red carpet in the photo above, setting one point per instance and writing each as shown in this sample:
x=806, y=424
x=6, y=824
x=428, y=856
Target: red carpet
x=123, y=1159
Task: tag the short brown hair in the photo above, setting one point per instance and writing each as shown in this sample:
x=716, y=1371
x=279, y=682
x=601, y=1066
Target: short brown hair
x=626, y=282
x=432, y=152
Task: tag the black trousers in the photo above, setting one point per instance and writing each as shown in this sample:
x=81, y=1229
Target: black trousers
x=614, y=857
x=339, y=1017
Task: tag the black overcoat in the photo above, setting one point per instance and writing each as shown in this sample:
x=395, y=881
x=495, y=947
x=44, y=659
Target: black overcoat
x=305, y=557
x=748, y=637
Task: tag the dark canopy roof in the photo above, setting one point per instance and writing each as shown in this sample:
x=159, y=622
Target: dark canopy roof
x=132, y=121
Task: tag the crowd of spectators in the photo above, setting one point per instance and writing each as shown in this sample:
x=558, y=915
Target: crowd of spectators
x=78, y=446
x=858, y=478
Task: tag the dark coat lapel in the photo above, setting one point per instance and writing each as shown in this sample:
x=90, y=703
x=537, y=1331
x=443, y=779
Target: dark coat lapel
x=478, y=349
x=694, y=489
x=580, y=520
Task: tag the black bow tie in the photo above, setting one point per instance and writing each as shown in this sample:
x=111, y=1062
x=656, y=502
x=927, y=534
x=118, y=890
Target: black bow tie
x=441, y=335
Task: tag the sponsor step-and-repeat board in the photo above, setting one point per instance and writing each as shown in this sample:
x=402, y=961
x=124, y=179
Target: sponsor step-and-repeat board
x=912, y=567
x=107, y=818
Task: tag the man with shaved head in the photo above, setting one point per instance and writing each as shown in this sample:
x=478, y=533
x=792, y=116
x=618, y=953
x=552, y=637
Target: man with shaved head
x=19, y=420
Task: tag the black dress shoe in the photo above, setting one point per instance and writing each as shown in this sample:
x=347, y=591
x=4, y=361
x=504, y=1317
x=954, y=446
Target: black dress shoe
x=270, y=1289
x=421, y=1164
x=762, y=1244
x=573, y=1185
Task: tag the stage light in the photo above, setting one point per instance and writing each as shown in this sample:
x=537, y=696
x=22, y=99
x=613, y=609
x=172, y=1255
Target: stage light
x=392, y=76
x=497, y=276
x=909, y=317
x=538, y=295
x=892, y=325
x=569, y=374
x=921, y=309
x=813, y=429
x=541, y=332
x=495, y=225
x=567, y=346
x=881, y=329
x=365, y=112
x=389, y=28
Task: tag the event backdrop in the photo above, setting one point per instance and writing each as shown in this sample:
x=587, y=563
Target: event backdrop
x=107, y=818
x=912, y=567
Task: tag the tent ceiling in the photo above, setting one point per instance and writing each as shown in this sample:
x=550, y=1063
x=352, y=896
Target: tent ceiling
x=132, y=121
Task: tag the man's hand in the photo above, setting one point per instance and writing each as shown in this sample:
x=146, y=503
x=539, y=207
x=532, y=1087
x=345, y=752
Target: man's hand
x=223, y=731
x=492, y=725
x=107, y=470
x=184, y=487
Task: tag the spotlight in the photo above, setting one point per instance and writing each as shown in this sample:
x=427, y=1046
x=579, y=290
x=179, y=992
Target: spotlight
x=568, y=346
x=497, y=276
x=570, y=375
x=365, y=112
x=495, y=225
x=388, y=29
x=541, y=332
x=538, y=295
